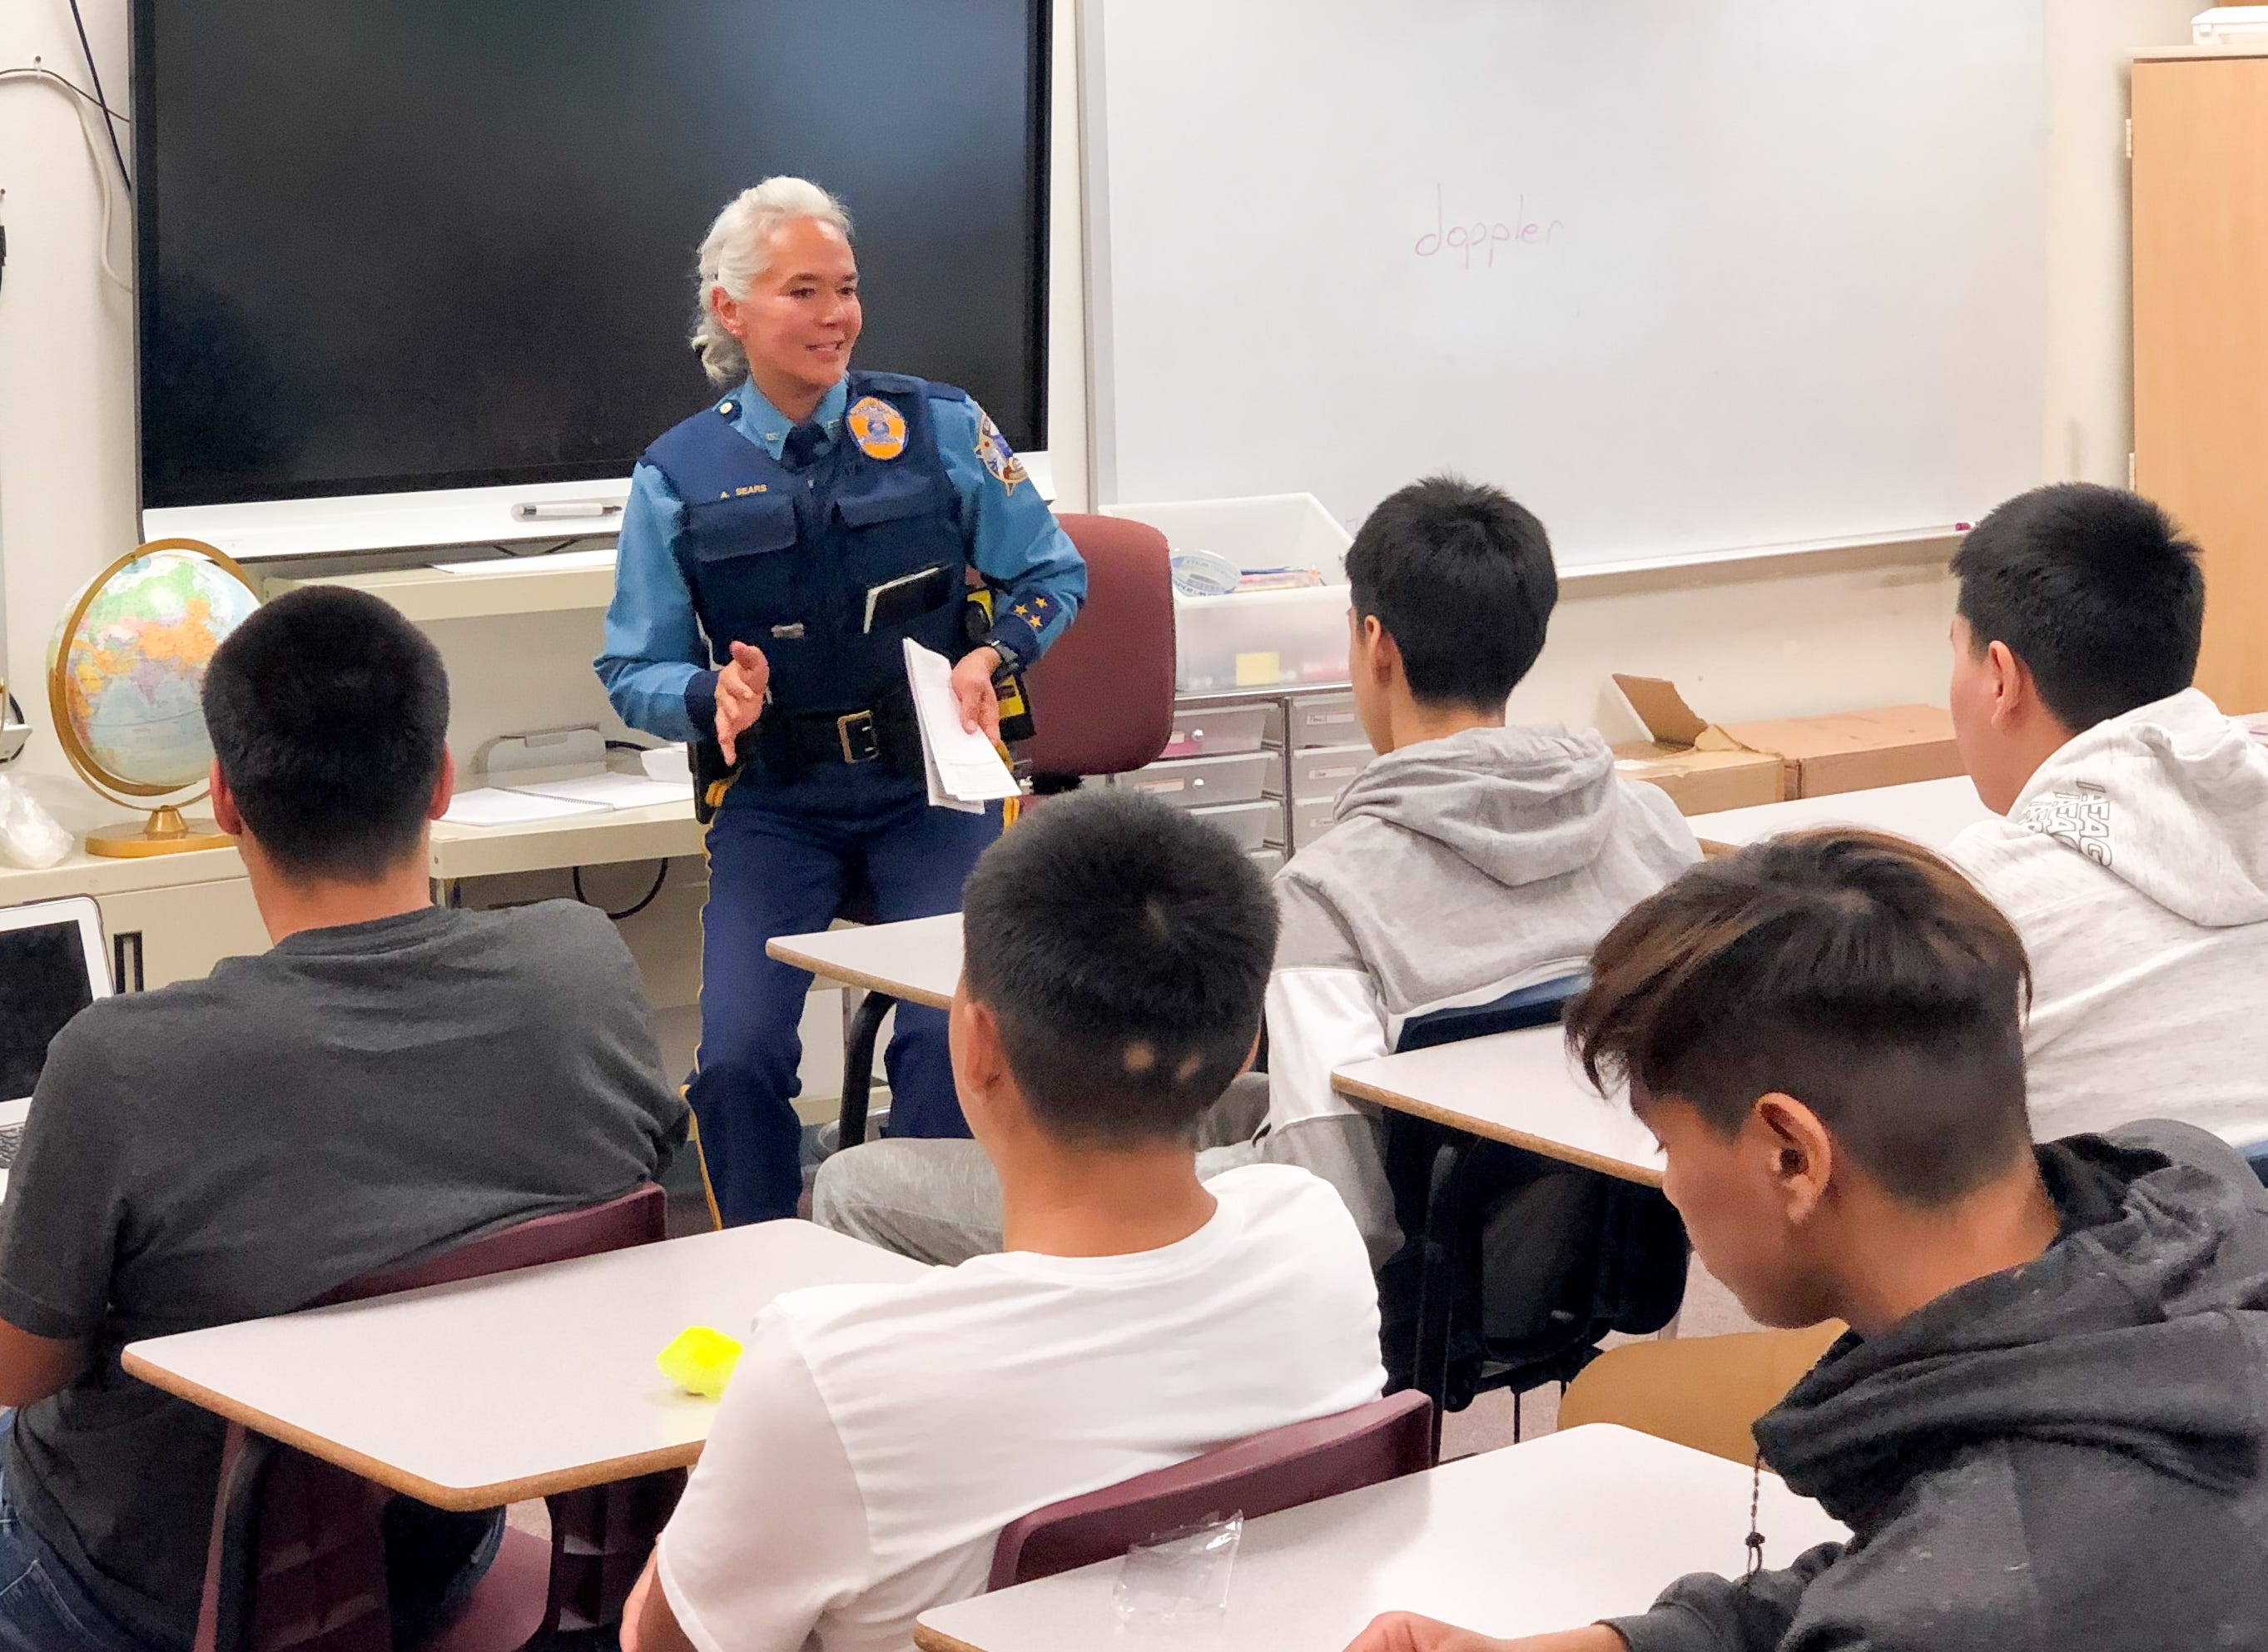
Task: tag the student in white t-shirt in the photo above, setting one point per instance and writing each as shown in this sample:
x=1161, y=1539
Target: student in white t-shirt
x=875, y=1439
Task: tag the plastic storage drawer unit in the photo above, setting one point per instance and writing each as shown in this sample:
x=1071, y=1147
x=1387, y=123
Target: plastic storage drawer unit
x=1325, y=719
x=1311, y=820
x=1325, y=771
x=1247, y=823
x=1195, y=782
x=1230, y=729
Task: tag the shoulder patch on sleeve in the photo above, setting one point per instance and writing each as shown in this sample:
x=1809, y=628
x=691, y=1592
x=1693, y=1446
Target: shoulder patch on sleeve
x=999, y=458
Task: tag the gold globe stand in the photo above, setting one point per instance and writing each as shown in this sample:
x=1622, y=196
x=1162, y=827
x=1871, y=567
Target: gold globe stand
x=166, y=831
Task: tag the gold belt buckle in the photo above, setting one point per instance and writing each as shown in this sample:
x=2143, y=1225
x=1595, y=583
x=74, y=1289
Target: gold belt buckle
x=854, y=731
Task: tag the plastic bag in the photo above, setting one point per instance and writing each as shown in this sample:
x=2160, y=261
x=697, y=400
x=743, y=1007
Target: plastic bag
x=1178, y=1579
x=29, y=835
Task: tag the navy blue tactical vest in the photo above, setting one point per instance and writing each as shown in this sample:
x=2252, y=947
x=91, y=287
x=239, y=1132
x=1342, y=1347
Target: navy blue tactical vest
x=784, y=559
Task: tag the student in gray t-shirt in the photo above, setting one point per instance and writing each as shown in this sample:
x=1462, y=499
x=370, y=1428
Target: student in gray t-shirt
x=391, y=1079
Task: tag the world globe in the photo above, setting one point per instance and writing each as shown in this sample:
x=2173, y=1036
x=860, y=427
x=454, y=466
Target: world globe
x=126, y=672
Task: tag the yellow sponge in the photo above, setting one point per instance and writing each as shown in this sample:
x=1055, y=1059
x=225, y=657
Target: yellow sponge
x=700, y=1360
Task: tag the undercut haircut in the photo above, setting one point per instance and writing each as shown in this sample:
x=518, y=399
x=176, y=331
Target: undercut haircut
x=2094, y=589
x=1857, y=972
x=330, y=716
x=1460, y=577
x=1124, y=946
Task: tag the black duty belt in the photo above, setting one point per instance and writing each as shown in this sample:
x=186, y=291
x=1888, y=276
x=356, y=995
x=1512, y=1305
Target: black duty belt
x=863, y=734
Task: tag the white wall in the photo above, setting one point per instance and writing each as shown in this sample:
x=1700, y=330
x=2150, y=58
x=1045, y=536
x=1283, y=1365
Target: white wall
x=1750, y=640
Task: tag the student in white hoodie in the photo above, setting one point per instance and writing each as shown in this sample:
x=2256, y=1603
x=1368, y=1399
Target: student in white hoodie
x=2133, y=854
x=1470, y=859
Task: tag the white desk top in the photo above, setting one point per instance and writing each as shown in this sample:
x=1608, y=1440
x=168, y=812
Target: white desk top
x=1932, y=813
x=918, y=961
x=1551, y=1535
x=1518, y=1088
x=494, y=1391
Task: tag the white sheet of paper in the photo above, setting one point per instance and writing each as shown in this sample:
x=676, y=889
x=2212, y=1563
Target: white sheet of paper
x=613, y=789
x=493, y=805
x=963, y=768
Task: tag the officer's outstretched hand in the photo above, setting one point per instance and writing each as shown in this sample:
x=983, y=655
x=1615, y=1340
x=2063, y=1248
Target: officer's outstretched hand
x=740, y=696
x=972, y=686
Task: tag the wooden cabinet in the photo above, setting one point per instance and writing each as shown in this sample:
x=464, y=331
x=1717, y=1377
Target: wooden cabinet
x=2200, y=188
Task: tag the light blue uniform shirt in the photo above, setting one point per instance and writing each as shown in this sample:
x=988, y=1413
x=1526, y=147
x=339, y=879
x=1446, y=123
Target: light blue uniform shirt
x=655, y=648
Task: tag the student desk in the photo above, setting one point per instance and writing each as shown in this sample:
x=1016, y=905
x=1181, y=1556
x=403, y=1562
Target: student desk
x=1551, y=1535
x=1932, y=813
x=1516, y=1088
x=917, y=961
x=498, y=1389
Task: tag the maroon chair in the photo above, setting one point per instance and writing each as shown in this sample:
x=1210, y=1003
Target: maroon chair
x=1280, y=1469
x=1102, y=697
x=1103, y=703
x=297, y=1560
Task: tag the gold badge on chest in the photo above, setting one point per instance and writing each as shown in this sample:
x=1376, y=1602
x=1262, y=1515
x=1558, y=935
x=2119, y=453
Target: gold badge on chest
x=878, y=428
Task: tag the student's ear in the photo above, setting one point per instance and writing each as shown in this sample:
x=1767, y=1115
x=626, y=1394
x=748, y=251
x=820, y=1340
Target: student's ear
x=226, y=814
x=1252, y=1054
x=1382, y=655
x=2015, y=696
x=980, y=1064
x=1802, y=1156
x=444, y=786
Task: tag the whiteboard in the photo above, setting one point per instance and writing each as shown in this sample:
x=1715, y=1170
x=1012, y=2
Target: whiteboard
x=1686, y=277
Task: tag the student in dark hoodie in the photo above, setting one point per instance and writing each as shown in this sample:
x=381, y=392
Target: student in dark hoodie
x=2045, y=1427
x=1470, y=858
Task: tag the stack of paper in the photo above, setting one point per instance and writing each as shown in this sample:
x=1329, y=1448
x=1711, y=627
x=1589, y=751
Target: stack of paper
x=963, y=766
x=553, y=800
x=611, y=789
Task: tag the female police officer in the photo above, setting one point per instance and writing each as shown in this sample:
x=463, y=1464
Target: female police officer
x=776, y=549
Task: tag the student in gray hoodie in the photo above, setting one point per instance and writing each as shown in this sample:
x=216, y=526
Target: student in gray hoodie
x=2133, y=853
x=2047, y=1425
x=1471, y=858
x=1468, y=860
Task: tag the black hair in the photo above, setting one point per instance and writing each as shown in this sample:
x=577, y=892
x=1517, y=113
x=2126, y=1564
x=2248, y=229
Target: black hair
x=2093, y=589
x=1857, y=972
x=330, y=716
x=1461, y=576
x=1124, y=946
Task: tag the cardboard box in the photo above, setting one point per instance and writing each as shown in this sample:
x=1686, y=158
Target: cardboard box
x=1707, y=766
x=1854, y=751
x=1701, y=766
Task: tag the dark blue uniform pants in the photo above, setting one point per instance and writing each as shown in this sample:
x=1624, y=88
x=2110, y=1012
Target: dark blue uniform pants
x=780, y=863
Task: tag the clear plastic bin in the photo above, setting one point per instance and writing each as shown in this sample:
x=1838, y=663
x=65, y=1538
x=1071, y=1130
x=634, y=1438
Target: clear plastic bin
x=1249, y=824
x=1258, y=639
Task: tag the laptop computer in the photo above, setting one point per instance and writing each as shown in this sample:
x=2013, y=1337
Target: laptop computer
x=52, y=966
